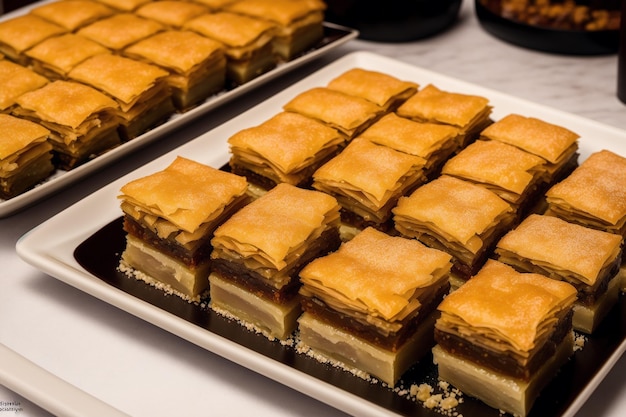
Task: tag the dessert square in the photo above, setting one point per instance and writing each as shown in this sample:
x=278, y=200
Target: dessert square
x=247, y=42
x=82, y=120
x=490, y=351
x=458, y=217
x=196, y=64
x=72, y=14
x=432, y=141
x=144, y=99
x=214, y=5
x=517, y=176
x=259, y=251
x=169, y=218
x=25, y=155
x=16, y=80
x=171, y=13
x=120, y=30
x=556, y=144
x=300, y=23
x=56, y=56
x=286, y=148
x=348, y=114
x=371, y=304
x=586, y=258
x=380, y=88
x=367, y=180
x=20, y=33
x=470, y=113
x=124, y=5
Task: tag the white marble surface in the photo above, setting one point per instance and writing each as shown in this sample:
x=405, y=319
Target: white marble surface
x=145, y=371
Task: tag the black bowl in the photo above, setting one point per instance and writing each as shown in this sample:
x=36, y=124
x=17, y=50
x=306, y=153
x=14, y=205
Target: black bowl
x=394, y=20
x=566, y=42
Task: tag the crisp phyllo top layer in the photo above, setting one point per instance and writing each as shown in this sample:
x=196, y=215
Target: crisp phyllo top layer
x=62, y=53
x=18, y=134
x=72, y=14
x=234, y=30
x=171, y=13
x=124, y=5
x=186, y=193
x=120, y=30
x=278, y=223
x=536, y=136
x=15, y=81
x=577, y=251
x=283, y=12
x=380, y=88
x=23, y=32
x=66, y=103
x=506, y=306
x=379, y=271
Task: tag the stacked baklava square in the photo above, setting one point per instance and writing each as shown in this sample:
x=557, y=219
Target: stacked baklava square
x=16, y=80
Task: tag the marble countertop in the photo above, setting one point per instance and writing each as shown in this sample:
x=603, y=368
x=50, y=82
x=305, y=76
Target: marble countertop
x=145, y=371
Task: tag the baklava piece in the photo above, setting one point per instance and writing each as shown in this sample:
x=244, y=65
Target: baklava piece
x=25, y=155
x=196, y=64
x=171, y=13
x=367, y=180
x=517, y=176
x=260, y=250
x=489, y=350
x=348, y=114
x=432, y=141
x=380, y=88
x=588, y=259
x=286, y=148
x=16, y=80
x=458, y=217
x=55, y=57
x=556, y=144
x=247, y=43
x=120, y=30
x=144, y=98
x=470, y=113
x=215, y=5
x=20, y=33
x=82, y=120
x=72, y=14
x=371, y=305
x=169, y=218
x=299, y=22
x=124, y=5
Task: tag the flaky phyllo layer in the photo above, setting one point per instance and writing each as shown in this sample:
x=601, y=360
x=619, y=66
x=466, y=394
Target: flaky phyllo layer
x=377, y=280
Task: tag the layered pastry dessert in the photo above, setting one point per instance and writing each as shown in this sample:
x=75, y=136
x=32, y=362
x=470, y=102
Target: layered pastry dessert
x=120, y=30
x=470, y=113
x=169, y=218
x=367, y=180
x=25, y=155
x=434, y=142
x=372, y=304
x=380, y=88
x=143, y=104
x=171, y=13
x=82, y=120
x=16, y=80
x=215, y=5
x=124, y=5
x=72, y=14
x=456, y=216
x=55, y=57
x=556, y=144
x=195, y=63
x=20, y=33
x=586, y=258
x=287, y=148
x=247, y=42
x=349, y=114
x=299, y=22
x=490, y=351
x=259, y=251
x=517, y=176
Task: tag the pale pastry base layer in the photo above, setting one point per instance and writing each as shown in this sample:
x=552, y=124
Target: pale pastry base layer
x=242, y=71
x=345, y=348
x=287, y=47
x=207, y=85
x=273, y=319
x=587, y=318
x=159, y=268
x=155, y=115
x=27, y=176
x=496, y=390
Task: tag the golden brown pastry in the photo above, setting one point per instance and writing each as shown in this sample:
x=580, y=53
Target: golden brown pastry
x=120, y=30
x=124, y=5
x=72, y=14
x=16, y=80
x=171, y=13
x=20, y=33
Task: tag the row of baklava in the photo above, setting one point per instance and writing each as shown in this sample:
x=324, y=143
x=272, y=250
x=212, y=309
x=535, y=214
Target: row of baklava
x=271, y=234
x=96, y=76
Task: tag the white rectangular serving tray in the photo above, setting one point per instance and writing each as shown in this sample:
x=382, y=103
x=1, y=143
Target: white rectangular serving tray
x=50, y=246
